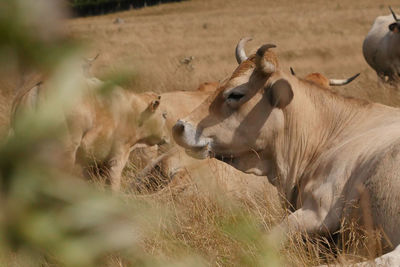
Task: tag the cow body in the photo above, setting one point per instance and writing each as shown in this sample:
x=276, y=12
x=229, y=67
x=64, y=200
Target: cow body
x=381, y=48
x=321, y=150
x=102, y=128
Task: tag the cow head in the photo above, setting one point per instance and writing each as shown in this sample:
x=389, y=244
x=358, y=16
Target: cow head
x=394, y=27
x=150, y=122
x=244, y=114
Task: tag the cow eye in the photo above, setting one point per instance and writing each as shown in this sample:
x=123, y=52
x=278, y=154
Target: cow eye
x=235, y=96
x=394, y=26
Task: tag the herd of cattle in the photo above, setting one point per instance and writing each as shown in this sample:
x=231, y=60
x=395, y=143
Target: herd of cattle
x=321, y=150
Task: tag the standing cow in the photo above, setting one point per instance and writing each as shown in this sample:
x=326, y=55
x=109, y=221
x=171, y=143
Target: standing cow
x=102, y=128
x=381, y=47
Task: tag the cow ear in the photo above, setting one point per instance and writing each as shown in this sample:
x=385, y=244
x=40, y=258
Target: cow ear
x=280, y=93
x=154, y=104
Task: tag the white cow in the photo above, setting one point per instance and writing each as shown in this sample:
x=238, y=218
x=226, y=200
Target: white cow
x=381, y=47
x=323, y=151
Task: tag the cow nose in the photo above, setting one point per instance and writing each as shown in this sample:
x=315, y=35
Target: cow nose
x=179, y=127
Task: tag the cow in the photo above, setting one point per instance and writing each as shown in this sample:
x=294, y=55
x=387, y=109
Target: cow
x=167, y=158
x=323, y=81
x=315, y=77
x=323, y=151
x=180, y=174
x=381, y=47
x=208, y=87
x=103, y=128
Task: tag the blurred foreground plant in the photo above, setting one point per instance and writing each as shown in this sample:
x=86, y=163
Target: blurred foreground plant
x=48, y=217
x=32, y=33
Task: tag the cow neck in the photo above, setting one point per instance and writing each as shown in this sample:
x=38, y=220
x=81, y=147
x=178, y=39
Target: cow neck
x=315, y=120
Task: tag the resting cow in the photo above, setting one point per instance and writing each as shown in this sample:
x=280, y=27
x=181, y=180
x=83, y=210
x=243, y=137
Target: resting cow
x=323, y=151
x=321, y=80
x=103, y=127
x=381, y=47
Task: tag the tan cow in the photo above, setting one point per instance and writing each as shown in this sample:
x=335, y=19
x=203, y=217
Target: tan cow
x=208, y=87
x=168, y=158
x=323, y=151
x=185, y=175
x=323, y=81
x=103, y=127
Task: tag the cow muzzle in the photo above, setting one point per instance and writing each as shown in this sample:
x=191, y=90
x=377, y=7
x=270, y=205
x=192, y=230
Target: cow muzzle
x=191, y=139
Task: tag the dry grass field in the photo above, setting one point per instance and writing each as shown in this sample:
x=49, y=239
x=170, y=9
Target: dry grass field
x=151, y=45
x=323, y=36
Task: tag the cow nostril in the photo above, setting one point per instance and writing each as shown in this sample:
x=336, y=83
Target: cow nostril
x=179, y=127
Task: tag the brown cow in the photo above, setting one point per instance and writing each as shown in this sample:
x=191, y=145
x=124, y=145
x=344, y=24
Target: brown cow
x=323, y=151
x=323, y=81
x=208, y=87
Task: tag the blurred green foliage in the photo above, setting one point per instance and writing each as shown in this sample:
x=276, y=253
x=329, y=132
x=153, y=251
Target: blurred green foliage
x=51, y=218
x=48, y=216
x=31, y=34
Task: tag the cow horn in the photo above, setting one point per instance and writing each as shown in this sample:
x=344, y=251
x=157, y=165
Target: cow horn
x=394, y=15
x=292, y=71
x=342, y=81
x=239, y=52
x=90, y=60
x=266, y=66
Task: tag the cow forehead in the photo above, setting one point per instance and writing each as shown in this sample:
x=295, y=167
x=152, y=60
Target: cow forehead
x=216, y=100
x=244, y=67
x=240, y=75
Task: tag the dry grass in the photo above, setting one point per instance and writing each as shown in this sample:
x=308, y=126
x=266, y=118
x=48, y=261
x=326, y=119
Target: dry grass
x=222, y=229
x=323, y=36
x=310, y=35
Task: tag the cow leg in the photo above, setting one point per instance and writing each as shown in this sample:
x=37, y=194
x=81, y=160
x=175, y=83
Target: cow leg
x=71, y=150
x=77, y=125
x=305, y=221
x=389, y=259
x=71, y=144
x=117, y=163
x=311, y=219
